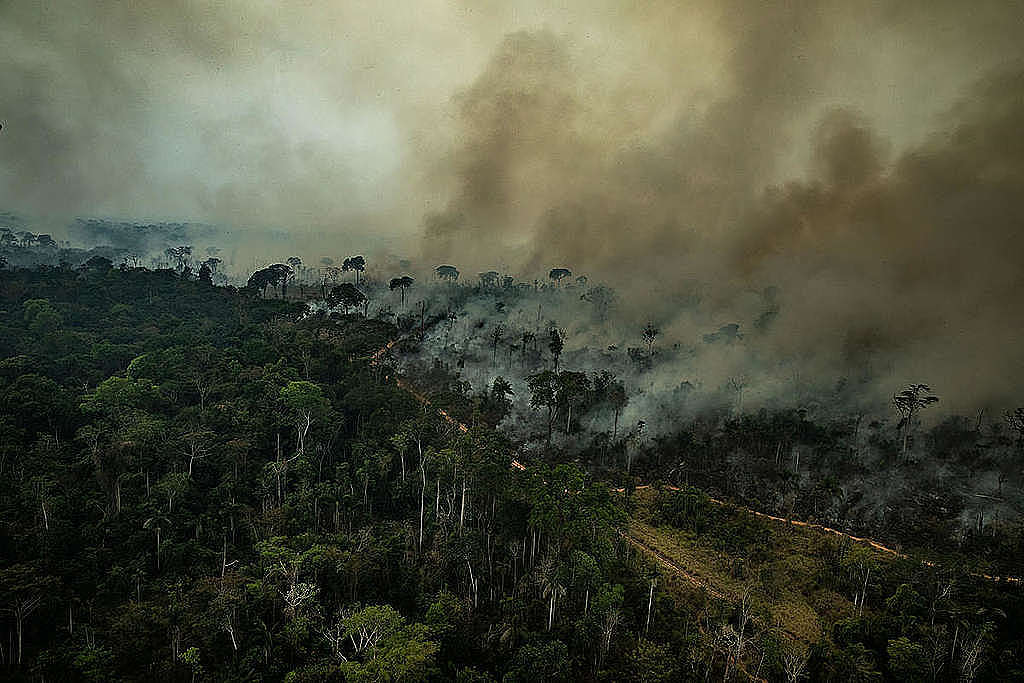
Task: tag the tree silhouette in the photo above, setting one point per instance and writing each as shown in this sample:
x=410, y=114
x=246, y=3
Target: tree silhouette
x=737, y=385
x=559, y=274
x=347, y=295
x=495, y=340
x=572, y=388
x=206, y=273
x=179, y=255
x=354, y=263
x=650, y=333
x=449, y=323
x=1015, y=421
x=555, y=344
x=260, y=280
x=614, y=394
x=544, y=394
x=449, y=273
x=908, y=403
x=401, y=283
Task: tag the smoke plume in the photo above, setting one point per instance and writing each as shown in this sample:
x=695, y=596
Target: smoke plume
x=844, y=178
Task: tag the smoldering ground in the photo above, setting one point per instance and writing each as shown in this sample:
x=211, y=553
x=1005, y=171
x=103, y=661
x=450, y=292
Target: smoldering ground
x=863, y=159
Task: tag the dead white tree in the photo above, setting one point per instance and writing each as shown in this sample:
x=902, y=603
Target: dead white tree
x=794, y=663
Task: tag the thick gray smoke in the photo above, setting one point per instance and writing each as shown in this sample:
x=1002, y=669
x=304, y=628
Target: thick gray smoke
x=894, y=254
x=864, y=159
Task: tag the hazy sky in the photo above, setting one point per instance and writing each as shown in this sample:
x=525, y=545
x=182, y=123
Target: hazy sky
x=865, y=157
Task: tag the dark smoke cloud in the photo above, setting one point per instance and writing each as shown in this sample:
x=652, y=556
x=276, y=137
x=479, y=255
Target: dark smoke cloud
x=896, y=256
x=863, y=158
x=920, y=258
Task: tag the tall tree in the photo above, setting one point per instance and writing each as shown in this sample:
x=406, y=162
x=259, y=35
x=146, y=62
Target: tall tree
x=572, y=388
x=306, y=403
x=556, y=342
x=401, y=283
x=908, y=403
x=496, y=335
x=650, y=333
x=544, y=394
x=357, y=264
x=23, y=590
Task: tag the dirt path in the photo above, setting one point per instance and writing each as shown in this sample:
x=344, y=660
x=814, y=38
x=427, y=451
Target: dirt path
x=640, y=543
x=1016, y=580
x=381, y=354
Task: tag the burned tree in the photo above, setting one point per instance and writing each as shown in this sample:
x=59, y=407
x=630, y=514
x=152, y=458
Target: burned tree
x=908, y=403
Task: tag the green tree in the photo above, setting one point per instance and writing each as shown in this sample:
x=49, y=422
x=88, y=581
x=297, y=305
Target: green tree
x=306, y=403
x=346, y=295
x=539, y=663
x=650, y=662
x=375, y=643
x=41, y=317
x=907, y=659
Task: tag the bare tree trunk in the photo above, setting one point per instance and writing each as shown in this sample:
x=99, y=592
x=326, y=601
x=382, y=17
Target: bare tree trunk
x=462, y=511
x=864, y=591
x=423, y=490
x=650, y=604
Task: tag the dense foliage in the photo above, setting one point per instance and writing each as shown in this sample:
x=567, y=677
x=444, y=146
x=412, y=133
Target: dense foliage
x=201, y=483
